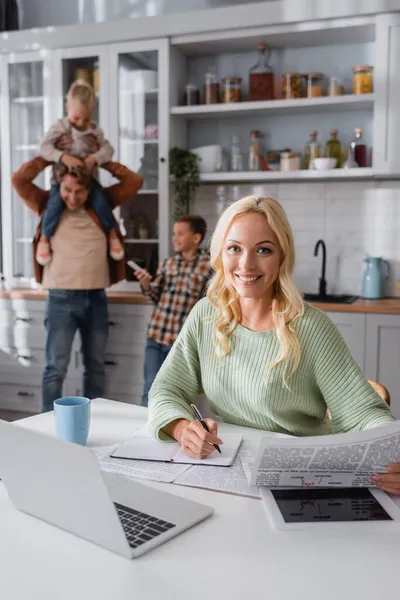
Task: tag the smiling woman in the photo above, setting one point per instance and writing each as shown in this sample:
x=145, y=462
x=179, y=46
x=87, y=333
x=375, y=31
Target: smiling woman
x=263, y=357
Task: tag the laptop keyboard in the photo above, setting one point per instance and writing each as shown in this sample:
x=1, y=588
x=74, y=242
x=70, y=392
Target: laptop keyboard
x=140, y=527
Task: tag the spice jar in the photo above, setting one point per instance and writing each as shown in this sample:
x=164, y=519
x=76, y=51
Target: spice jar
x=290, y=161
x=363, y=79
x=292, y=86
x=211, y=89
x=232, y=90
x=192, y=95
x=335, y=87
x=314, y=85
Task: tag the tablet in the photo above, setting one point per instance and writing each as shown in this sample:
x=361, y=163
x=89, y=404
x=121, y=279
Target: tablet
x=311, y=508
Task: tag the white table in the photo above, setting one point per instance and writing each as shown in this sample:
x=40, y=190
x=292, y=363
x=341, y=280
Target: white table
x=233, y=555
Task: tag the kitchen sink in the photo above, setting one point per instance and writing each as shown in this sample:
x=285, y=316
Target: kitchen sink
x=330, y=298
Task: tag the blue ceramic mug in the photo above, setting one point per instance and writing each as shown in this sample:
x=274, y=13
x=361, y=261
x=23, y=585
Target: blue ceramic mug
x=72, y=417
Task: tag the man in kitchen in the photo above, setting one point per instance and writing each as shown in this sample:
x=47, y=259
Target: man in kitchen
x=78, y=274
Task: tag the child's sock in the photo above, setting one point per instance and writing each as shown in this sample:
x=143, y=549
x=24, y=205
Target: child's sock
x=43, y=254
x=116, y=248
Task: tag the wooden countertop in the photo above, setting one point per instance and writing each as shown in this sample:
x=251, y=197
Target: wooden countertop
x=113, y=297
x=388, y=306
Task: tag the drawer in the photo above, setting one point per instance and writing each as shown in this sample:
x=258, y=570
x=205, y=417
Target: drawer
x=22, y=357
x=130, y=310
x=114, y=388
x=5, y=337
x=19, y=396
x=124, y=369
x=26, y=308
x=127, y=330
x=27, y=335
x=6, y=318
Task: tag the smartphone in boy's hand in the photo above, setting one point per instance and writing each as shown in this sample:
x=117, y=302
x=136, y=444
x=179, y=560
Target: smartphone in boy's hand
x=134, y=266
x=141, y=274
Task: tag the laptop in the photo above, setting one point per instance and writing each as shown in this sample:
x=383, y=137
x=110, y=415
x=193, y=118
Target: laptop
x=61, y=483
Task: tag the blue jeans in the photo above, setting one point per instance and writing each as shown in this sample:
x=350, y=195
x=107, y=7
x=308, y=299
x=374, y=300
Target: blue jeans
x=55, y=206
x=66, y=312
x=154, y=356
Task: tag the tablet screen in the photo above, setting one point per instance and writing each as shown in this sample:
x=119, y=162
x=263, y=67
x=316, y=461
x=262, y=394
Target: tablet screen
x=327, y=504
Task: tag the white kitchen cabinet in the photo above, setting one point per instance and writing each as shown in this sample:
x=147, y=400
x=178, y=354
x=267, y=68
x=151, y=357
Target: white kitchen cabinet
x=387, y=93
x=383, y=354
x=352, y=328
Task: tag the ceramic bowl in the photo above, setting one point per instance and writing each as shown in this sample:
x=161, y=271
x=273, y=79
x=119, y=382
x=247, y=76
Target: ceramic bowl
x=324, y=164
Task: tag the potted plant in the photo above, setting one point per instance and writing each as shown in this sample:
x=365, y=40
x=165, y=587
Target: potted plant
x=184, y=169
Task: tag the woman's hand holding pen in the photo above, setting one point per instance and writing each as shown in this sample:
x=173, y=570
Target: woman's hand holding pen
x=195, y=440
x=144, y=278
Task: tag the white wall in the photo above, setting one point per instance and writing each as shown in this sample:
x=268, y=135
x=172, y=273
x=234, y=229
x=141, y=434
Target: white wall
x=354, y=219
x=42, y=13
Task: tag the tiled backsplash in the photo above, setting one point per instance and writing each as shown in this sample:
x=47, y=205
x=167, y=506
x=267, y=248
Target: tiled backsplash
x=355, y=219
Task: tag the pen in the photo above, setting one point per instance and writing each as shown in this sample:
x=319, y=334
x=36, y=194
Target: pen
x=198, y=416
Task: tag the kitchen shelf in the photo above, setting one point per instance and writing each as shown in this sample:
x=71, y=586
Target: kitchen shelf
x=141, y=241
x=27, y=100
x=129, y=140
x=22, y=147
x=152, y=92
x=149, y=192
x=297, y=106
x=265, y=176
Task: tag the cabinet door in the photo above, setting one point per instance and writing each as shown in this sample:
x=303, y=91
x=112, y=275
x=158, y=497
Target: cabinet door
x=387, y=92
x=139, y=114
x=383, y=355
x=25, y=116
x=89, y=63
x=352, y=328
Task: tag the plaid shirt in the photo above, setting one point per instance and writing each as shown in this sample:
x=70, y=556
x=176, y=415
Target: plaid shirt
x=178, y=285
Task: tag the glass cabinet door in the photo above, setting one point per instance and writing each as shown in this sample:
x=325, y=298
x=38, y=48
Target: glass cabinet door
x=27, y=115
x=141, y=147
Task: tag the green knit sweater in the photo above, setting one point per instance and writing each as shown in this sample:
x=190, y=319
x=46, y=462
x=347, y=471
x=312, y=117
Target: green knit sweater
x=242, y=389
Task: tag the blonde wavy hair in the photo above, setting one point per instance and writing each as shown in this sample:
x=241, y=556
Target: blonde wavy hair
x=287, y=303
x=82, y=92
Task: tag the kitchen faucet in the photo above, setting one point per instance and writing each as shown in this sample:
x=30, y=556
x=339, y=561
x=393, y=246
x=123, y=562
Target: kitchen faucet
x=322, y=281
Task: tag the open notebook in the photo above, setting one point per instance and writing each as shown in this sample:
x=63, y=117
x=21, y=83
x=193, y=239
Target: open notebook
x=144, y=446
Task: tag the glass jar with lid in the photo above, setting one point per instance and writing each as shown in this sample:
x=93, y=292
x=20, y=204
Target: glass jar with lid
x=293, y=86
x=211, y=89
x=314, y=85
x=192, y=95
x=232, y=91
x=363, y=79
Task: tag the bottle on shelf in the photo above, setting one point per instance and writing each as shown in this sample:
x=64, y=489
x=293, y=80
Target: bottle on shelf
x=236, y=162
x=312, y=150
x=261, y=76
x=359, y=148
x=254, y=150
x=333, y=149
x=222, y=200
x=350, y=163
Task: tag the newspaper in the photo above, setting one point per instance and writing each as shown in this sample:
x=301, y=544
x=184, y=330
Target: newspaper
x=341, y=460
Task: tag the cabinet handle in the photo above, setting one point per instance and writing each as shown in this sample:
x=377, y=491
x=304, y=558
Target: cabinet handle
x=23, y=356
x=26, y=394
x=24, y=319
x=112, y=323
x=110, y=363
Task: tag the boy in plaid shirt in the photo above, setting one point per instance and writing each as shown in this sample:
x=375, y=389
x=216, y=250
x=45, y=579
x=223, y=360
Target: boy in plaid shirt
x=180, y=282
